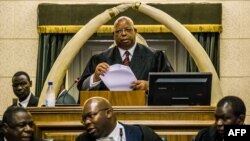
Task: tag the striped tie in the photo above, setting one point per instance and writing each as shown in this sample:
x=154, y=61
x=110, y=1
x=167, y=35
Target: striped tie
x=126, y=60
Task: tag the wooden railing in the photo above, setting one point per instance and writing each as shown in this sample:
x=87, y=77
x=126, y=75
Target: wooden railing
x=176, y=123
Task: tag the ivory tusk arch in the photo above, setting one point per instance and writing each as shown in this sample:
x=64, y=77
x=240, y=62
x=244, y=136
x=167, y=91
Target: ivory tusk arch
x=68, y=53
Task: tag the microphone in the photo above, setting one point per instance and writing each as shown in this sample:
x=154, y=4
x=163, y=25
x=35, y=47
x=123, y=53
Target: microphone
x=70, y=99
x=121, y=134
x=75, y=82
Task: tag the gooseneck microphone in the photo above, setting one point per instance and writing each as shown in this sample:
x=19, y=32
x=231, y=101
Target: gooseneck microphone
x=121, y=134
x=75, y=82
x=66, y=92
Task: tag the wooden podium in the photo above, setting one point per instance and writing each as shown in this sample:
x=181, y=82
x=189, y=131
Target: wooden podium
x=117, y=98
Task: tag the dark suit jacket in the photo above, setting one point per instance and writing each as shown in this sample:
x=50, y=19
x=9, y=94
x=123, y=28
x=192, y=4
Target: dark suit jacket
x=144, y=60
x=207, y=134
x=33, y=102
x=133, y=133
x=1, y=131
x=2, y=138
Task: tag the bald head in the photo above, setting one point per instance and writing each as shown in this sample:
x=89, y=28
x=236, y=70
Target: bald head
x=98, y=117
x=97, y=103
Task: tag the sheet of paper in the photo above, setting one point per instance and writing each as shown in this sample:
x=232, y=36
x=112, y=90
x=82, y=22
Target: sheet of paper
x=118, y=78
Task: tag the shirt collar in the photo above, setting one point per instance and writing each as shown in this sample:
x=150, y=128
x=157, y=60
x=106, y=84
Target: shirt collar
x=130, y=50
x=25, y=102
x=115, y=134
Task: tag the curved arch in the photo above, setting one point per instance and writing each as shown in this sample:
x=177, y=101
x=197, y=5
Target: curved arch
x=72, y=48
x=197, y=52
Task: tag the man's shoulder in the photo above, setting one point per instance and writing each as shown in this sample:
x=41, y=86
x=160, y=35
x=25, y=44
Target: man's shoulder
x=105, y=53
x=1, y=137
x=36, y=139
x=147, y=49
x=34, y=97
x=33, y=101
x=145, y=133
x=1, y=131
x=206, y=134
x=84, y=137
x=126, y=126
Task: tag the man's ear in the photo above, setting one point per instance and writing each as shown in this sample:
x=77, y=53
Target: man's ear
x=241, y=119
x=109, y=113
x=135, y=30
x=30, y=83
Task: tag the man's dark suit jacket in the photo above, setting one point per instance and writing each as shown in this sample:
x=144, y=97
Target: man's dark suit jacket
x=144, y=60
x=34, y=139
x=33, y=102
x=1, y=131
x=207, y=134
x=133, y=133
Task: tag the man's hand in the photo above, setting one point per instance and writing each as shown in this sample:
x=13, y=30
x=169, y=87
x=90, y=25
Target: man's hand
x=140, y=85
x=100, y=70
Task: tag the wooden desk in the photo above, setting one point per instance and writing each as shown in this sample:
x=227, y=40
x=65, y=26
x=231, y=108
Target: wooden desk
x=177, y=123
x=117, y=98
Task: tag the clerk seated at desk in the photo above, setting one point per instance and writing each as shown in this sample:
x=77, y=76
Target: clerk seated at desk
x=139, y=58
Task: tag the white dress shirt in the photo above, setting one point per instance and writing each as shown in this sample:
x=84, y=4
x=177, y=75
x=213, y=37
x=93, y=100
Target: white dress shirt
x=25, y=102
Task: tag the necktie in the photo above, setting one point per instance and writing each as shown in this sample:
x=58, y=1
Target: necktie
x=126, y=60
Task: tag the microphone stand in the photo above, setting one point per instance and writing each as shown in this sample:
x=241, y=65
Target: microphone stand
x=67, y=91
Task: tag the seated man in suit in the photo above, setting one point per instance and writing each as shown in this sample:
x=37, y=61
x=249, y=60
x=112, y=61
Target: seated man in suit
x=230, y=110
x=21, y=84
x=100, y=122
x=17, y=125
x=139, y=58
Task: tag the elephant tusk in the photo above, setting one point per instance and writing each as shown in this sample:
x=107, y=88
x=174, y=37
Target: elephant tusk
x=186, y=38
x=197, y=52
x=71, y=49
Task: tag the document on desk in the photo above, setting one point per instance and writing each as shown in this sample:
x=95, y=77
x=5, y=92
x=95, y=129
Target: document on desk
x=118, y=78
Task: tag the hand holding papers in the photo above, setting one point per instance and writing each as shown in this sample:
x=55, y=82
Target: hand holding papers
x=118, y=78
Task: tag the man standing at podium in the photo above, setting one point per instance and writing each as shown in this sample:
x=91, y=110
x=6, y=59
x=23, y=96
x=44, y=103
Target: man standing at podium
x=100, y=122
x=139, y=58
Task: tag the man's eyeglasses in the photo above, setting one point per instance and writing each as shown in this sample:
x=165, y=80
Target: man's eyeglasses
x=92, y=115
x=127, y=30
